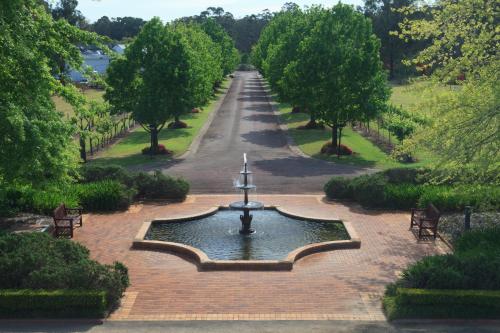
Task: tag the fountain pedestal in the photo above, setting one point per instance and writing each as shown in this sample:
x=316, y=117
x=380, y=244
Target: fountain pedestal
x=246, y=223
x=246, y=206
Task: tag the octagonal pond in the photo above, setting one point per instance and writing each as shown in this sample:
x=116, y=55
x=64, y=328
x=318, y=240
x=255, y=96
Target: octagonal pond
x=276, y=235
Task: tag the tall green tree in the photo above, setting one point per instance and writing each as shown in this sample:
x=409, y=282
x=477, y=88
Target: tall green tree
x=229, y=54
x=36, y=143
x=464, y=43
x=386, y=16
x=66, y=9
x=165, y=72
x=294, y=81
x=342, y=58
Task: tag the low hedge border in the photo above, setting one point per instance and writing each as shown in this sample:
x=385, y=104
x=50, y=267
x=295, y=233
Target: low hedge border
x=28, y=303
x=408, y=303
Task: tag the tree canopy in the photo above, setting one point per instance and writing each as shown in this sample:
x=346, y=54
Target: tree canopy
x=324, y=60
x=165, y=72
x=36, y=143
x=463, y=43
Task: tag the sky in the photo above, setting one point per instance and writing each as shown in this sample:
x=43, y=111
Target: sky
x=168, y=10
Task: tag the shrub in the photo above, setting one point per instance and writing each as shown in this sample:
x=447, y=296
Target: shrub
x=330, y=150
x=53, y=303
x=161, y=150
x=474, y=265
x=94, y=173
x=338, y=188
x=107, y=195
x=448, y=198
x=38, y=261
x=160, y=186
x=11, y=199
x=405, y=175
x=403, y=196
x=487, y=242
x=418, y=303
x=369, y=190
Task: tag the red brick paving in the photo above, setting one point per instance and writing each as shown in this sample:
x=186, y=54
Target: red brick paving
x=343, y=284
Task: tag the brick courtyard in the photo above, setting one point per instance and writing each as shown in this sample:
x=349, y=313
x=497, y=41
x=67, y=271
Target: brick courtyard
x=343, y=284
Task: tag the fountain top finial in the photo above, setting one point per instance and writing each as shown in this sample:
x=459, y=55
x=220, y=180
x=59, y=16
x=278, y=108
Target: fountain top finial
x=245, y=158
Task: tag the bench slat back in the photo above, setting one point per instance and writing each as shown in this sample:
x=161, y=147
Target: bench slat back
x=60, y=212
x=432, y=212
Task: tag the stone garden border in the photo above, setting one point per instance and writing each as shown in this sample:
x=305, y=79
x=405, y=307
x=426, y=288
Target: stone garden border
x=205, y=263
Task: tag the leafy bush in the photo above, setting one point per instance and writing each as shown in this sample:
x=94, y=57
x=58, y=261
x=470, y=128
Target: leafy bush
x=487, y=242
x=342, y=149
x=369, y=190
x=465, y=284
x=161, y=149
x=404, y=188
x=54, y=303
x=160, y=186
x=38, y=261
x=338, y=188
x=94, y=173
x=11, y=199
x=107, y=195
x=403, y=196
x=448, y=198
x=418, y=303
x=474, y=265
x=405, y=175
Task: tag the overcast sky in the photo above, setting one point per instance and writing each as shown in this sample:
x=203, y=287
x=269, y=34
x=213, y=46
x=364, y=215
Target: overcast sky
x=172, y=9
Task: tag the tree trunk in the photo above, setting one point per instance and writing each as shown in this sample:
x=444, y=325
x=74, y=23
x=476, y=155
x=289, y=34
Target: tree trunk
x=340, y=141
x=83, y=151
x=177, y=119
x=335, y=136
x=391, y=64
x=154, y=140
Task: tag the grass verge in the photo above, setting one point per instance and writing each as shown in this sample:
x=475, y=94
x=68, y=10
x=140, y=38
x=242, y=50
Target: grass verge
x=127, y=152
x=366, y=153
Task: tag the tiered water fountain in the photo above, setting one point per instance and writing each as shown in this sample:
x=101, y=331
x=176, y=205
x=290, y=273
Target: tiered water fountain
x=246, y=206
x=212, y=237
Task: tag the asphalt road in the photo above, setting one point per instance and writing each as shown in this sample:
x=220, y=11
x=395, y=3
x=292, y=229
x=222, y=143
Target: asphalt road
x=246, y=123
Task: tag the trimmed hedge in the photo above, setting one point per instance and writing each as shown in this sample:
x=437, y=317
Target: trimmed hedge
x=443, y=304
x=40, y=262
x=160, y=186
x=95, y=173
x=107, y=195
x=102, y=188
x=52, y=304
x=405, y=188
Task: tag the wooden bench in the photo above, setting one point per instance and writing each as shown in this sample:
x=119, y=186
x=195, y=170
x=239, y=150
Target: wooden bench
x=427, y=218
x=65, y=219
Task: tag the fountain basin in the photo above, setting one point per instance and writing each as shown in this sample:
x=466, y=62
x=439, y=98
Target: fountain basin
x=212, y=239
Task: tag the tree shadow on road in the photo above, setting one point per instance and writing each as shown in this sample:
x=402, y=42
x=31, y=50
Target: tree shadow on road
x=263, y=118
x=296, y=166
x=267, y=138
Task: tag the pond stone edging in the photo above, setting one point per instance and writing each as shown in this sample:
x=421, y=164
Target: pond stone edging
x=206, y=264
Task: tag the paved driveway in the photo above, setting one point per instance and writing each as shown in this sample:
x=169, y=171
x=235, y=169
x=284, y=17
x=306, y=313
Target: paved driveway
x=245, y=122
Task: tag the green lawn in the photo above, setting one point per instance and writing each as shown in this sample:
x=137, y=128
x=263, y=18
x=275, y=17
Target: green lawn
x=366, y=153
x=412, y=96
x=127, y=152
x=67, y=110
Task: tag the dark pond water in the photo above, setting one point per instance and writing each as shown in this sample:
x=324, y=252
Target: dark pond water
x=275, y=235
